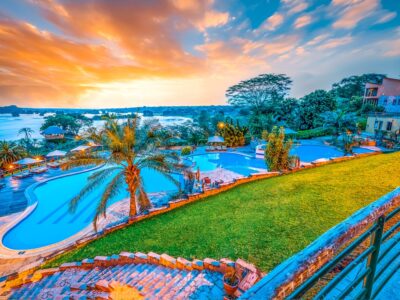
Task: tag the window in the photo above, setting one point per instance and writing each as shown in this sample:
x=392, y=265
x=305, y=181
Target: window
x=389, y=125
x=372, y=92
x=378, y=125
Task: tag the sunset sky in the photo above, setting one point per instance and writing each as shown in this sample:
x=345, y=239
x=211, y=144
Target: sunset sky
x=123, y=53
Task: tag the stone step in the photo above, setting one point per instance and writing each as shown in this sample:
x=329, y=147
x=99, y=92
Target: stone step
x=154, y=276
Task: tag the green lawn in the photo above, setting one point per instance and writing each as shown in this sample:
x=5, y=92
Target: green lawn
x=263, y=222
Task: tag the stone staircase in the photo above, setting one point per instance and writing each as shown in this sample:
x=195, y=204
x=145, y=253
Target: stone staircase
x=132, y=276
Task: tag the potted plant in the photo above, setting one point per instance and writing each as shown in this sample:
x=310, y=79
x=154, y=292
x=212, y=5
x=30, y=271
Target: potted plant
x=231, y=282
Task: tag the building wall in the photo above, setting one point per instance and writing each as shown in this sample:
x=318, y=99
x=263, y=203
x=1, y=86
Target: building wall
x=384, y=119
x=387, y=95
x=390, y=103
x=389, y=87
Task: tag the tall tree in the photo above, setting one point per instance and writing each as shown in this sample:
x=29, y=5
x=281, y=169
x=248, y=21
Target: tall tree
x=259, y=93
x=340, y=121
x=127, y=159
x=355, y=85
x=69, y=123
x=312, y=106
x=204, y=120
x=27, y=133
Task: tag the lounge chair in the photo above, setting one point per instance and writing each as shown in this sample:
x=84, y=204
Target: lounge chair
x=39, y=170
x=2, y=184
x=23, y=174
x=53, y=165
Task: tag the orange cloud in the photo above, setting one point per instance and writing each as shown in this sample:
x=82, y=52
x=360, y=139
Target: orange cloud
x=273, y=22
x=110, y=43
x=354, y=11
x=302, y=21
x=335, y=42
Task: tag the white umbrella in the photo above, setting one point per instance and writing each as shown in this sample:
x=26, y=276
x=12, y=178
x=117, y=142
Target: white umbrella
x=28, y=161
x=56, y=153
x=216, y=139
x=80, y=148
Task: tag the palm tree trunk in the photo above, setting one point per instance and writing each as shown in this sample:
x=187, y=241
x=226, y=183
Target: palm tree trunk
x=132, y=205
x=132, y=178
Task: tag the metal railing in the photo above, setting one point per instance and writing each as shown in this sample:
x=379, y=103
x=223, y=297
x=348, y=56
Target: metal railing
x=372, y=267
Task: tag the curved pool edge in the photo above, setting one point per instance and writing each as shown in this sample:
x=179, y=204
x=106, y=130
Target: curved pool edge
x=6, y=252
x=219, y=152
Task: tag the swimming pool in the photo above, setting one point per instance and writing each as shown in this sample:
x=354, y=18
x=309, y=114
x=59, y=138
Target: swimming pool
x=247, y=164
x=51, y=222
x=235, y=162
x=309, y=153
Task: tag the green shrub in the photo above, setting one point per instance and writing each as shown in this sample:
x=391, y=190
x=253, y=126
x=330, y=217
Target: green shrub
x=186, y=150
x=362, y=123
x=311, y=133
x=277, y=151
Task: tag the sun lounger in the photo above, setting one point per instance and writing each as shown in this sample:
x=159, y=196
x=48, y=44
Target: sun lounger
x=23, y=174
x=39, y=170
x=53, y=164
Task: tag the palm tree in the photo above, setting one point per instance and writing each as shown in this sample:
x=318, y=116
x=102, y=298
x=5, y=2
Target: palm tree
x=10, y=152
x=27, y=132
x=126, y=161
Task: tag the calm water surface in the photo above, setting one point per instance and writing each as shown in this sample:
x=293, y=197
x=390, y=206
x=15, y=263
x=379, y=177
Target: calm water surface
x=9, y=125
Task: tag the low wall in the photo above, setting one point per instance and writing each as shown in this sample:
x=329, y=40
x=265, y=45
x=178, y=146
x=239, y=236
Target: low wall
x=181, y=202
x=286, y=277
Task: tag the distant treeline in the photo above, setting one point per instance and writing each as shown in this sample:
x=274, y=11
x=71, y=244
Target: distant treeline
x=147, y=111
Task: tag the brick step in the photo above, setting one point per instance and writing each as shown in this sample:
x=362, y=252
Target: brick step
x=152, y=275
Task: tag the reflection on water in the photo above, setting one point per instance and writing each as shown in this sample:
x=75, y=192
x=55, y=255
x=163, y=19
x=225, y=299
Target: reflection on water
x=9, y=125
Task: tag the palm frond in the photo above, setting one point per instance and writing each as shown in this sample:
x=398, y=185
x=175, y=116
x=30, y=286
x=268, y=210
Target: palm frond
x=82, y=161
x=103, y=172
x=111, y=190
x=94, y=180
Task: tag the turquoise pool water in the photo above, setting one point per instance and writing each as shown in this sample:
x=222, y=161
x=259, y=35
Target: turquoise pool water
x=51, y=222
x=247, y=164
x=241, y=164
x=309, y=153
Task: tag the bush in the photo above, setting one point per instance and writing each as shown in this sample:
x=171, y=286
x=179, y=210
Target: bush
x=186, y=150
x=311, y=133
x=362, y=124
x=277, y=151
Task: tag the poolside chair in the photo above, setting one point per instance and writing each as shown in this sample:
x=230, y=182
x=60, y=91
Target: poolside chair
x=53, y=165
x=23, y=174
x=39, y=170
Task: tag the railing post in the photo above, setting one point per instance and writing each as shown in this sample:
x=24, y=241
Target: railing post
x=373, y=259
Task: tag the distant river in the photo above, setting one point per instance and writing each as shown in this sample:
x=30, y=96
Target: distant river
x=9, y=125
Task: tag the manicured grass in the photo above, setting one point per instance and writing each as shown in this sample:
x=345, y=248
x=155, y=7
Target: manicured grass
x=263, y=222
